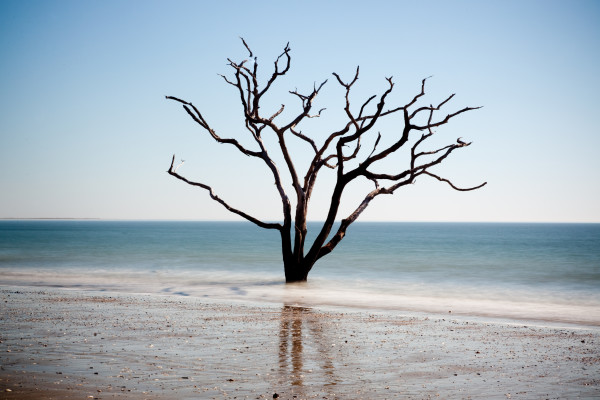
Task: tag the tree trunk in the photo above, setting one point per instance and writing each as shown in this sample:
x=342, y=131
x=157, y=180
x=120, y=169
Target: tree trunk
x=295, y=271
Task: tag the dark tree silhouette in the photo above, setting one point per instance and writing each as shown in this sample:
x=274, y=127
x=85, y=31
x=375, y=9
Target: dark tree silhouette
x=339, y=151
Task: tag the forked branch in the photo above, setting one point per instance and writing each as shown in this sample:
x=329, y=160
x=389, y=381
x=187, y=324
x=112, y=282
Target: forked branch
x=197, y=116
x=173, y=171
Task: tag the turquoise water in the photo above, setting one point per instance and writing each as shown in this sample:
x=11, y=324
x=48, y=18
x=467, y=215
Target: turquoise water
x=546, y=272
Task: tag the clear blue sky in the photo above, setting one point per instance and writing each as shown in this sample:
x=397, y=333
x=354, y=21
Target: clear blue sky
x=85, y=130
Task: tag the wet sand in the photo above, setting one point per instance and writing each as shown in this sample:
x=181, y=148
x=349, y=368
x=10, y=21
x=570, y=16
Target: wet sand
x=67, y=344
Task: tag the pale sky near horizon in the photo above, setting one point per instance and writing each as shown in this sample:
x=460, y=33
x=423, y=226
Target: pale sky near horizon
x=85, y=130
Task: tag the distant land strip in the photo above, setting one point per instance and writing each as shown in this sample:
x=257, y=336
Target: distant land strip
x=52, y=218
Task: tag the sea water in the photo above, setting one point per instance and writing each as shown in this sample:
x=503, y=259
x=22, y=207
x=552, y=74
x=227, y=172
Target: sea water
x=517, y=271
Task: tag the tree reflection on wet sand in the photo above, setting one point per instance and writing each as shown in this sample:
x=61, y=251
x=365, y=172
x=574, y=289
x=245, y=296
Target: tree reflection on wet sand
x=305, y=347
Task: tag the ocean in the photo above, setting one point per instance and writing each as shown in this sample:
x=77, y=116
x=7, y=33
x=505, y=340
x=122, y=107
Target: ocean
x=545, y=273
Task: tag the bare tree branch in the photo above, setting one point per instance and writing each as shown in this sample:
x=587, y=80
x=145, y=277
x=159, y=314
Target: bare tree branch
x=305, y=138
x=246, y=46
x=277, y=113
x=452, y=185
x=306, y=106
x=376, y=143
x=277, y=72
x=172, y=171
x=345, y=223
x=446, y=119
x=196, y=116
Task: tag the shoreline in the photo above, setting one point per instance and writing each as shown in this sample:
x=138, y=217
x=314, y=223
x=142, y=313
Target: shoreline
x=58, y=343
x=552, y=315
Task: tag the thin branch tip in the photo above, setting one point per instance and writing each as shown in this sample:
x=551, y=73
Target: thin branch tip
x=170, y=170
x=246, y=46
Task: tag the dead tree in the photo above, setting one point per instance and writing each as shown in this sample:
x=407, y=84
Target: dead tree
x=339, y=151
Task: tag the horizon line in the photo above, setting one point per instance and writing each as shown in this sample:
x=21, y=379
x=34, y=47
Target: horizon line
x=314, y=221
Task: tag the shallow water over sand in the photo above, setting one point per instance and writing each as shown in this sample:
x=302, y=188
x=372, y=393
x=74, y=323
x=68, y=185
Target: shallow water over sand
x=547, y=272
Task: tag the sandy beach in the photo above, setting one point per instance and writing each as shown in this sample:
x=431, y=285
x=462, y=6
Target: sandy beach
x=69, y=344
